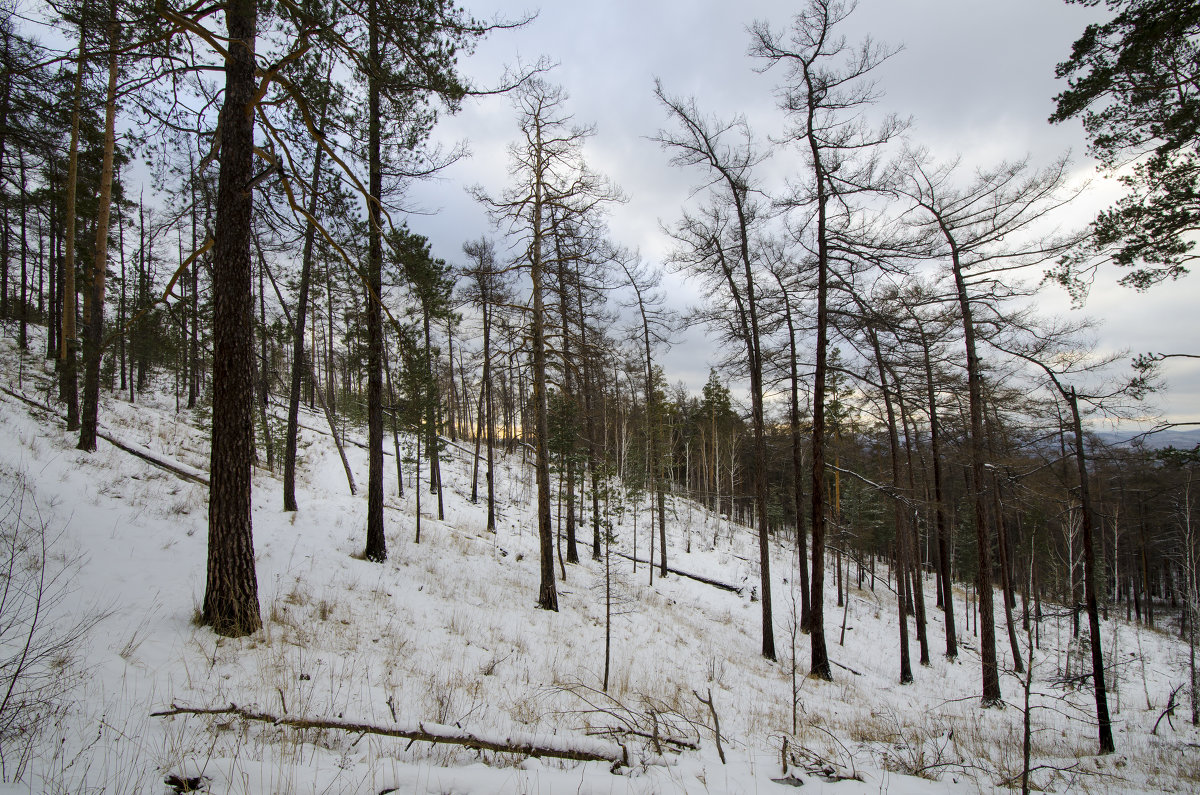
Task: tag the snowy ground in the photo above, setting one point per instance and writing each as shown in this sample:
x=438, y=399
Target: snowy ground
x=446, y=632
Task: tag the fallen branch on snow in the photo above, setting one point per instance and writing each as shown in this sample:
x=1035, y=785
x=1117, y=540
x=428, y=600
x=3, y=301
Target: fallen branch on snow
x=575, y=749
x=177, y=469
x=724, y=586
x=1168, y=712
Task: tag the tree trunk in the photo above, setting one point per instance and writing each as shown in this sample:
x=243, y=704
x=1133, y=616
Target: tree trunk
x=943, y=529
x=547, y=593
x=231, y=595
x=69, y=383
x=193, y=355
x=23, y=333
x=987, y=624
x=819, y=666
x=569, y=393
x=918, y=586
x=489, y=420
x=376, y=549
x=590, y=424
x=93, y=307
x=301, y=314
x=797, y=466
x=902, y=555
x=1089, y=584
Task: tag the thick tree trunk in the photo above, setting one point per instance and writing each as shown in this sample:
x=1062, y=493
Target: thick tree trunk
x=376, y=549
x=231, y=595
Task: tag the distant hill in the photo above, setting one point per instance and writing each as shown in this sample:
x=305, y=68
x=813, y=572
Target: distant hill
x=1182, y=439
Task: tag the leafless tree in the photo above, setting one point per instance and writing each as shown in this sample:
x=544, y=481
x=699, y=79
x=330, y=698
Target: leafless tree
x=825, y=89
x=720, y=242
x=549, y=174
x=988, y=234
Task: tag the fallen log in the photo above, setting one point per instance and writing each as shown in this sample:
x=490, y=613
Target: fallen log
x=578, y=749
x=724, y=586
x=161, y=463
x=143, y=453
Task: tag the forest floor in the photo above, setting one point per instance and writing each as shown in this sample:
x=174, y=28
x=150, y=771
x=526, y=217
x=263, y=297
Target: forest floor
x=445, y=635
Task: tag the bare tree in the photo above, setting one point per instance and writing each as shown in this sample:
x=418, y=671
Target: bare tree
x=549, y=176
x=825, y=89
x=721, y=244
x=987, y=234
x=655, y=324
x=1050, y=350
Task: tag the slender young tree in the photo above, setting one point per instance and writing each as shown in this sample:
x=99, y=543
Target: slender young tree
x=725, y=245
x=93, y=305
x=325, y=93
x=430, y=282
x=778, y=271
x=549, y=177
x=826, y=86
x=971, y=228
x=655, y=324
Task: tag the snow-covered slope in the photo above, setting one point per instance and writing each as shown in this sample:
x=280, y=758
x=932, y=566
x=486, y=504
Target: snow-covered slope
x=446, y=634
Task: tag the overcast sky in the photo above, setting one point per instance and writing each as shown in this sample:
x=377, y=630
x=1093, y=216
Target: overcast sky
x=977, y=78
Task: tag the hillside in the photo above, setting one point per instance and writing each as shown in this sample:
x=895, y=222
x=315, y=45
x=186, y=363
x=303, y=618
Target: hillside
x=445, y=636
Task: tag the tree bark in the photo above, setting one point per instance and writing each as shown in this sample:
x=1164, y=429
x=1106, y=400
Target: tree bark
x=1089, y=584
x=93, y=306
x=983, y=537
x=231, y=595
x=69, y=377
x=376, y=549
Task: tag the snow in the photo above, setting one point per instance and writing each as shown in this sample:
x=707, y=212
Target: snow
x=446, y=632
